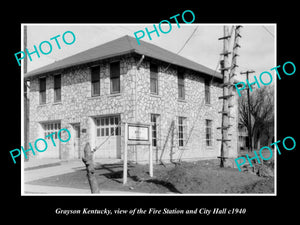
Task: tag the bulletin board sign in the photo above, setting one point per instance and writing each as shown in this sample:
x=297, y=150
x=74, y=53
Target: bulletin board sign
x=138, y=132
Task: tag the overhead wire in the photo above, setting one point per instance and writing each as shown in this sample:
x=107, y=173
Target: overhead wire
x=268, y=31
x=183, y=46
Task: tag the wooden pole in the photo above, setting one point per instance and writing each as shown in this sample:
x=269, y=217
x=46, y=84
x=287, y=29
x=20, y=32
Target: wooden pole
x=89, y=163
x=125, y=154
x=249, y=113
x=224, y=69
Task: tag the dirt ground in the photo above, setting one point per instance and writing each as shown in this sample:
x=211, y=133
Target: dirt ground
x=188, y=177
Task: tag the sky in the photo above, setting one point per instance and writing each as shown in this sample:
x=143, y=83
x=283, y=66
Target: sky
x=257, y=52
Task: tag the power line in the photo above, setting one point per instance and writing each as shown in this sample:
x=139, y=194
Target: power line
x=268, y=31
x=183, y=46
x=188, y=40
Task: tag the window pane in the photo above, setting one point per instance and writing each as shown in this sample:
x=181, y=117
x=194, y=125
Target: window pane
x=43, y=97
x=181, y=78
x=181, y=91
x=154, y=142
x=107, y=132
x=57, y=95
x=51, y=126
x=102, y=121
x=115, y=85
x=57, y=81
x=98, y=132
x=112, y=120
x=115, y=77
x=95, y=71
x=207, y=92
x=78, y=132
x=115, y=70
x=96, y=88
x=58, y=126
x=153, y=79
x=116, y=120
x=153, y=86
x=102, y=132
x=55, y=135
x=95, y=80
x=180, y=142
x=42, y=84
x=112, y=131
x=106, y=121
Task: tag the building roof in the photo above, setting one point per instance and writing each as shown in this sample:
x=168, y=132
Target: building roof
x=121, y=46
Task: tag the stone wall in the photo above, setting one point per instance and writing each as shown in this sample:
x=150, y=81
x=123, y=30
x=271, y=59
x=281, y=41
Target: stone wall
x=134, y=104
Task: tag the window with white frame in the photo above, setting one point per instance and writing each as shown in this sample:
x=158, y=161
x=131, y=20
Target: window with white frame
x=182, y=130
x=50, y=128
x=155, y=128
x=208, y=132
x=108, y=126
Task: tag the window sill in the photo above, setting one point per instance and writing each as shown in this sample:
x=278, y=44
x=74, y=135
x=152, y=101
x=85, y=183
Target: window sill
x=57, y=103
x=107, y=95
x=115, y=94
x=43, y=104
x=155, y=95
x=181, y=100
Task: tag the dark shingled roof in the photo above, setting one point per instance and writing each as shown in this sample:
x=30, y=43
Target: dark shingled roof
x=120, y=46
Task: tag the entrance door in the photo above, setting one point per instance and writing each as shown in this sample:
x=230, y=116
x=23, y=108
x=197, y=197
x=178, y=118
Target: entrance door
x=108, y=137
x=52, y=151
x=77, y=153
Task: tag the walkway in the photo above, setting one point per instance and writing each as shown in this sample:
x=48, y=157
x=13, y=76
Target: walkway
x=43, y=168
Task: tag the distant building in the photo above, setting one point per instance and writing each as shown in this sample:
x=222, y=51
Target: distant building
x=92, y=92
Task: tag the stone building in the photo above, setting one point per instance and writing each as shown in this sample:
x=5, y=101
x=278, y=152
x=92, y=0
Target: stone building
x=94, y=92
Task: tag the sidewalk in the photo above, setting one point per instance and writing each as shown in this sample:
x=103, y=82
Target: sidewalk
x=52, y=190
x=43, y=168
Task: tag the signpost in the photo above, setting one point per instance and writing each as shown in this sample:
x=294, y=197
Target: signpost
x=137, y=134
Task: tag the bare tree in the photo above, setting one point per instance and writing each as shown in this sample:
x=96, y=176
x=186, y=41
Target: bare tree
x=261, y=111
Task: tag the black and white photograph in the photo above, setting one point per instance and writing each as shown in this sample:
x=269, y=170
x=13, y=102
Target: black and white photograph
x=110, y=111
x=149, y=112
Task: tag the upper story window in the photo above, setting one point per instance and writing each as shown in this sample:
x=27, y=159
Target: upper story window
x=95, y=79
x=115, y=77
x=153, y=79
x=181, y=89
x=57, y=88
x=207, y=91
x=42, y=90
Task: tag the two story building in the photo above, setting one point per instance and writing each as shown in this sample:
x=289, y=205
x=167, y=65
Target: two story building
x=94, y=92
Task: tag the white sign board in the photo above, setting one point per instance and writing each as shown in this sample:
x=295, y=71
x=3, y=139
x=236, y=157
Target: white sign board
x=138, y=132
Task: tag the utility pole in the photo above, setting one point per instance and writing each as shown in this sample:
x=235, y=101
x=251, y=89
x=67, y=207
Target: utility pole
x=225, y=121
x=228, y=73
x=249, y=114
